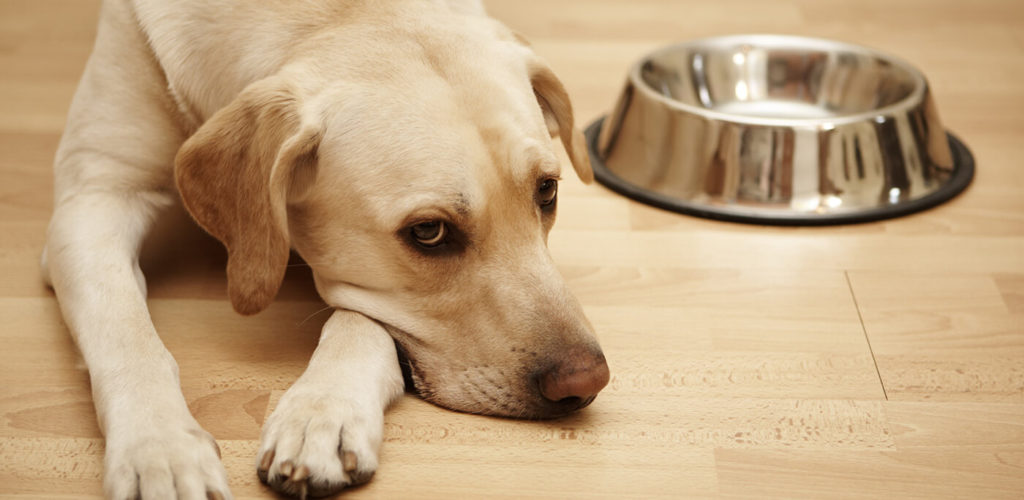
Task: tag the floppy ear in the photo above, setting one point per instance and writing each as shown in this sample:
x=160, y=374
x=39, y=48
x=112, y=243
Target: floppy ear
x=554, y=103
x=235, y=175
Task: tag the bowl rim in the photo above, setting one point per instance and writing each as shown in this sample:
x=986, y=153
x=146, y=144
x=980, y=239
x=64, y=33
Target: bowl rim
x=962, y=175
x=916, y=97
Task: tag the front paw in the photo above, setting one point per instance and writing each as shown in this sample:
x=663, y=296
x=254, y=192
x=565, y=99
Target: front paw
x=315, y=444
x=165, y=458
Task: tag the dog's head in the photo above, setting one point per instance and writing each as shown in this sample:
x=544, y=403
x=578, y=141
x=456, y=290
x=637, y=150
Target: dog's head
x=421, y=192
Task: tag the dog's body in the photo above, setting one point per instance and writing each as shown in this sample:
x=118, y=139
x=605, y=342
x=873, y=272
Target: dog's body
x=401, y=148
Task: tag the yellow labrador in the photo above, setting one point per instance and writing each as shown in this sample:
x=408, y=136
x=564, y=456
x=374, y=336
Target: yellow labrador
x=402, y=148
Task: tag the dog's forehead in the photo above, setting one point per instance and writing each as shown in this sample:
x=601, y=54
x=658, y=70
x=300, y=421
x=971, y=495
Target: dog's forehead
x=527, y=157
x=413, y=150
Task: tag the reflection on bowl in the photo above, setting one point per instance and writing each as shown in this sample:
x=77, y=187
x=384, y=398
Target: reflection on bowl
x=778, y=130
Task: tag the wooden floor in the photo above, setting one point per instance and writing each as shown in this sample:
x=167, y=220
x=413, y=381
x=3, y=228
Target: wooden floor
x=881, y=360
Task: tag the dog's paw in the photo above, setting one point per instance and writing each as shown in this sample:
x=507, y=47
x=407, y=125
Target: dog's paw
x=164, y=460
x=316, y=444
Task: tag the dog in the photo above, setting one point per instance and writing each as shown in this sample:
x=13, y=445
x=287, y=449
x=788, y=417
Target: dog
x=403, y=149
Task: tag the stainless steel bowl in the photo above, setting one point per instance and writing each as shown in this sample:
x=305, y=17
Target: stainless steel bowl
x=778, y=130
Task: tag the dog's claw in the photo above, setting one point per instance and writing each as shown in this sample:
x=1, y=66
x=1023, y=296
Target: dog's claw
x=300, y=474
x=214, y=495
x=295, y=481
x=268, y=459
x=349, y=461
x=287, y=468
x=263, y=470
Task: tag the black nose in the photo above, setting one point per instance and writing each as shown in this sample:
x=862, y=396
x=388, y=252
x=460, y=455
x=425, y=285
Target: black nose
x=576, y=378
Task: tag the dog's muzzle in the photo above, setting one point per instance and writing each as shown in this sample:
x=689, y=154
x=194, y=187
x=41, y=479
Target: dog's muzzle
x=558, y=387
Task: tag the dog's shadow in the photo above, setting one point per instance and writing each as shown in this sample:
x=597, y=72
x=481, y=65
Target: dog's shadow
x=187, y=294
x=181, y=261
x=230, y=364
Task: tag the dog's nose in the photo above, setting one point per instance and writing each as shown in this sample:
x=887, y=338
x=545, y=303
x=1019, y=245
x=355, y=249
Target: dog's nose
x=578, y=376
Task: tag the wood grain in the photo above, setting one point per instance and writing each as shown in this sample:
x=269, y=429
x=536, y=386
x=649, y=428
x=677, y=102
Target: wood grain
x=948, y=336
x=879, y=360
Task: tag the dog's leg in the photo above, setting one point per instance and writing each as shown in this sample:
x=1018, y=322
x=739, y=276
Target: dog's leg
x=154, y=447
x=326, y=431
x=113, y=173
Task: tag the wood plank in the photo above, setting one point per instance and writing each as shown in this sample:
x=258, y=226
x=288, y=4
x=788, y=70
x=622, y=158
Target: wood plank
x=946, y=336
x=978, y=426
x=741, y=364
x=789, y=248
x=857, y=474
x=661, y=422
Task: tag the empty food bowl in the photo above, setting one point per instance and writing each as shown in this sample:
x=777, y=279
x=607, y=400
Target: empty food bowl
x=775, y=129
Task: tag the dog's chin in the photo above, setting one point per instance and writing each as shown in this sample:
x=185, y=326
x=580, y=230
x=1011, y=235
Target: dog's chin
x=467, y=398
x=539, y=410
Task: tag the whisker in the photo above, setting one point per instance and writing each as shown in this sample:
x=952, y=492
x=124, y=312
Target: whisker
x=299, y=262
x=314, y=314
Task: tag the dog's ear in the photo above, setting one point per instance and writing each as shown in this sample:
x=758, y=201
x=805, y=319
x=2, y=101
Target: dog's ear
x=554, y=103
x=236, y=175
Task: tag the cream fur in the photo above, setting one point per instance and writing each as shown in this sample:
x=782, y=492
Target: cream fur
x=327, y=128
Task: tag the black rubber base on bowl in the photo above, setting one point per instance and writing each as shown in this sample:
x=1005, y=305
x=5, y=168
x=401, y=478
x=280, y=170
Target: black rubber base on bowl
x=963, y=173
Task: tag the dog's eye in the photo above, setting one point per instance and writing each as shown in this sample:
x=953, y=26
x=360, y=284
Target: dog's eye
x=547, y=192
x=430, y=234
